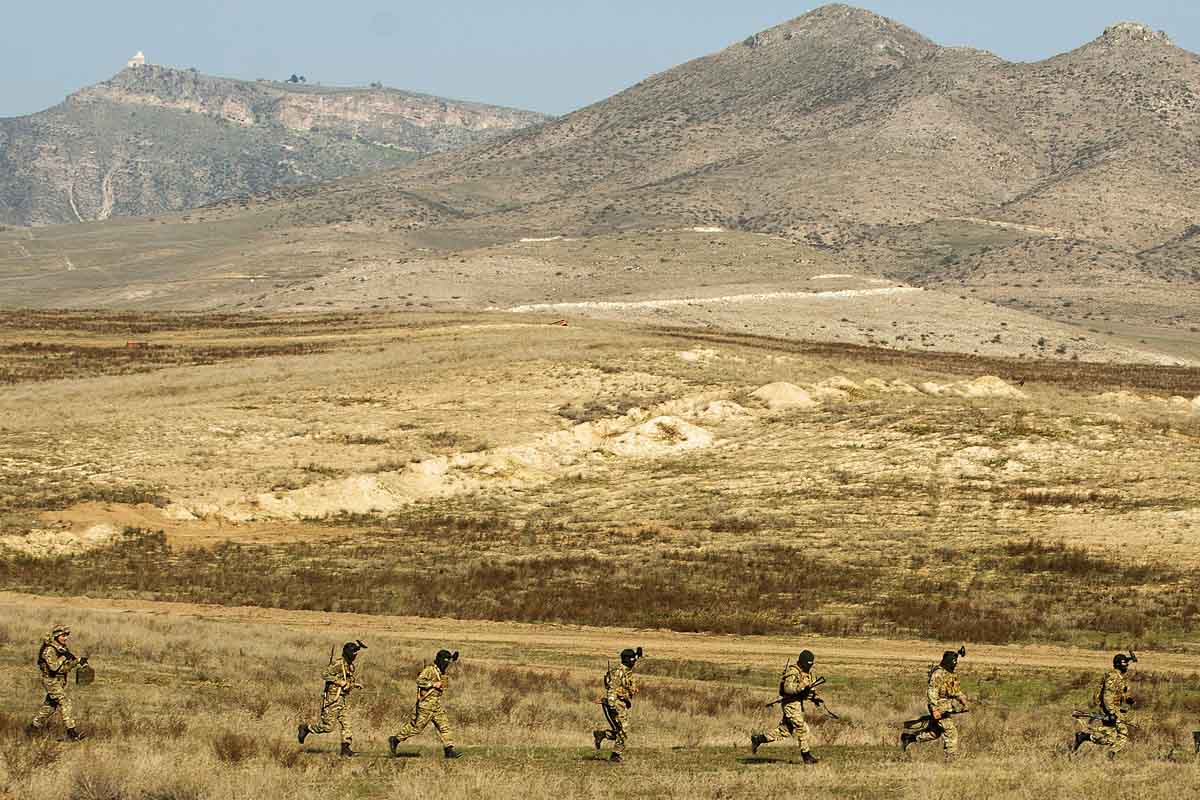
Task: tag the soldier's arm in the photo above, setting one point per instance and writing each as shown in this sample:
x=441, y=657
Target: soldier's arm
x=428, y=679
x=1108, y=689
x=792, y=683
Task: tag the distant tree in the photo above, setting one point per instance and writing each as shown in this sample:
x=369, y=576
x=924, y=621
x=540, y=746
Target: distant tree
x=303, y=79
x=294, y=79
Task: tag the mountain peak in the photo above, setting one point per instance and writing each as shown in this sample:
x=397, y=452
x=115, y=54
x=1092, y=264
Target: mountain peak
x=1123, y=33
x=843, y=25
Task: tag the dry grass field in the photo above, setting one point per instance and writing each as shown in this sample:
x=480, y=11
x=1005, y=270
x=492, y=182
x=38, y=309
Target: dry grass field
x=247, y=490
x=202, y=702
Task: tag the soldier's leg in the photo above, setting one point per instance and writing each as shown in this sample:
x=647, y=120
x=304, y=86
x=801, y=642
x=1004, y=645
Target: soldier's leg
x=441, y=724
x=787, y=726
x=610, y=716
x=331, y=708
x=949, y=738
x=1120, y=738
x=803, y=735
x=932, y=731
x=344, y=723
x=1103, y=735
x=621, y=732
x=420, y=719
x=49, y=706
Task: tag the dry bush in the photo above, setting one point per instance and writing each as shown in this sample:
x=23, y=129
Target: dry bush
x=234, y=748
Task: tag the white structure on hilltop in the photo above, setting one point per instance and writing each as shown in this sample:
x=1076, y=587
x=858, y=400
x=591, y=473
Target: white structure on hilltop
x=137, y=61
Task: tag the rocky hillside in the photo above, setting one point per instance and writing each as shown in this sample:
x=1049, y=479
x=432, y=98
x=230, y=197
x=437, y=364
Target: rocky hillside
x=154, y=138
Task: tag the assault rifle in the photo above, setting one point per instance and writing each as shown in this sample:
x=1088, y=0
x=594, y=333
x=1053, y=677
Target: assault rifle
x=1093, y=716
x=809, y=693
x=923, y=721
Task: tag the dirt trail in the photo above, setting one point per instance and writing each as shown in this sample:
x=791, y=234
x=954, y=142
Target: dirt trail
x=863, y=654
x=622, y=305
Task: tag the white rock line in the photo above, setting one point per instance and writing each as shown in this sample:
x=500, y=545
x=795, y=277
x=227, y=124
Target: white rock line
x=615, y=305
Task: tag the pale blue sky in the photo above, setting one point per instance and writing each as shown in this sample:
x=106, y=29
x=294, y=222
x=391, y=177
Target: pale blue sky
x=546, y=55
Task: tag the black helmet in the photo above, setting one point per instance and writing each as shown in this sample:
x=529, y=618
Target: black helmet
x=806, y=660
x=1121, y=661
x=444, y=658
x=350, y=649
x=950, y=658
x=629, y=656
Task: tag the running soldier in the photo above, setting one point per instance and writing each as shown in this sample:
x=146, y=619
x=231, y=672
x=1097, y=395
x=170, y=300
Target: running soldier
x=619, y=689
x=1112, y=699
x=795, y=687
x=339, y=682
x=55, y=662
x=944, y=698
x=431, y=686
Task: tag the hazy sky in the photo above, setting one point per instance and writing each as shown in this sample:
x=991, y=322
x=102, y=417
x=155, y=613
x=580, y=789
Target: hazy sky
x=545, y=55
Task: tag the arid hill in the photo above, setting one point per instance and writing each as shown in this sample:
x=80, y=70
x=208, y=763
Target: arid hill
x=155, y=139
x=1055, y=198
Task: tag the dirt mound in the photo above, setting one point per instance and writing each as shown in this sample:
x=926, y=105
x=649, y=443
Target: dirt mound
x=44, y=543
x=640, y=433
x=782, y=395
x=1121, y=398
x=983, y=387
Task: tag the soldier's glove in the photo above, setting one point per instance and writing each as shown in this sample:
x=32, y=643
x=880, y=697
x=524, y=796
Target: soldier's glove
x=83, y=661
x=816, y=701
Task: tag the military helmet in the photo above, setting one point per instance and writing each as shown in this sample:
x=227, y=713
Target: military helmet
x=350, y=649
x=806, y=659
x=59, y=630
x=629, y=656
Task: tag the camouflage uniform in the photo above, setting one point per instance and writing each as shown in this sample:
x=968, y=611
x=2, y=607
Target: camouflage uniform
x=55, y=664
x=619, y=689
x=339, y=681
x=429, y=708
x=1113, y=694
x=943, y=690
x=794, y=681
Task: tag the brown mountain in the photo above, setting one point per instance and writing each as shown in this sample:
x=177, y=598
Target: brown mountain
x=154, y=139
x=1062, y=190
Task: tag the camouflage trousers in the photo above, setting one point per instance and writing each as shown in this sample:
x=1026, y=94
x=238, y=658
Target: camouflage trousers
x=617, y=717
x=944, y=729
x=1114, y=737
x=333, y=712
x=56, y=700
x=793, y=724
x=423, y=714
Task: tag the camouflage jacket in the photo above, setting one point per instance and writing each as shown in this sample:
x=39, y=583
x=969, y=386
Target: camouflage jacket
x=427, y=693
x=619, y=686
x=339, y=677
x=54, y=662
x=944, y=688
x=793, y=682
x=1112, y=695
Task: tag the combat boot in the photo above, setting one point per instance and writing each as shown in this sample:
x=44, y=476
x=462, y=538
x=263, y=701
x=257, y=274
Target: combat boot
x=598, y=738
x=757, y=740
x=393, y=743
x=450, y=752
x=302, y=732
x=1081, y=738
x=347, y=751
x=905, y=740
x=75, y=736
x=809, y=758
x=616, y=758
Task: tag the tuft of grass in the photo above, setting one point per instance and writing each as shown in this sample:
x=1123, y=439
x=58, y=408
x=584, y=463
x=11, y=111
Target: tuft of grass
x=232, y=748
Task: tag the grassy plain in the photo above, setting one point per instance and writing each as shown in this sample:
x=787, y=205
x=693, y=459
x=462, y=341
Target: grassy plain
x=493, y=482
x=202, y=702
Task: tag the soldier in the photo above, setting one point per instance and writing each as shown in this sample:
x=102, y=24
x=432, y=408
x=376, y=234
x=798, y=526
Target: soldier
x=795, y=687
x=943, y=692
x=55, y=662
x=339, y=682
x=619, y=689
x=1112, y=698
x=431, y=685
